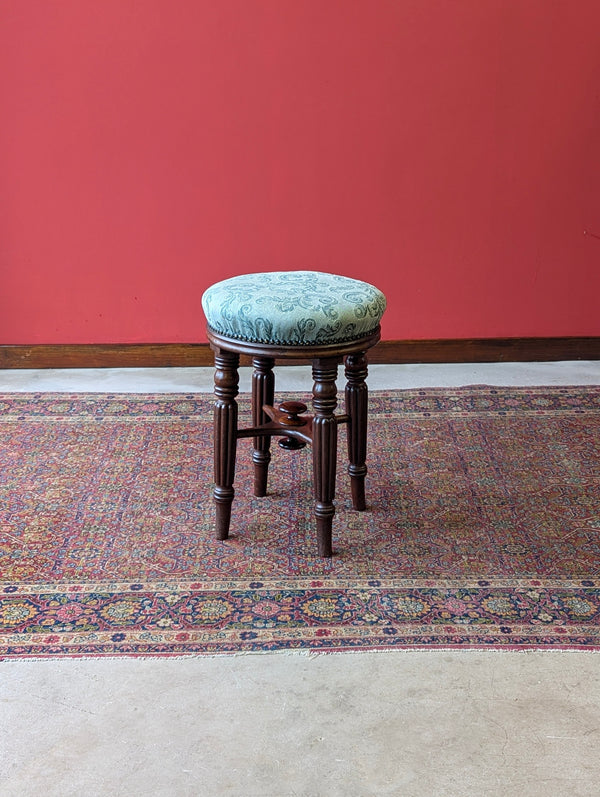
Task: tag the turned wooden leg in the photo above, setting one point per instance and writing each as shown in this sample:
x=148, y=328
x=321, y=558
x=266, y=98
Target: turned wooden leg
x=225, y=436
x=324, y=448
x=357, y=400
x=263, y=392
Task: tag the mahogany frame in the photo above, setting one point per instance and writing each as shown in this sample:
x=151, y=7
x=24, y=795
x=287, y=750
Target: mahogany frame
x=319, y=430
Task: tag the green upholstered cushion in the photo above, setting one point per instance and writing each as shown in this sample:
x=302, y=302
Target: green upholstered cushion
x=293, y=308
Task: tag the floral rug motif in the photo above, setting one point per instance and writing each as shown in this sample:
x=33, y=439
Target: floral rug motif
x=483, y=529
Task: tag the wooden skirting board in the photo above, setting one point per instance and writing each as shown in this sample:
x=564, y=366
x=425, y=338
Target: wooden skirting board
x=154, y=355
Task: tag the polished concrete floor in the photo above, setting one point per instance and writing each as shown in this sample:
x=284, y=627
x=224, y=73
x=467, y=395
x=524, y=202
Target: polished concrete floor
x=413, y=724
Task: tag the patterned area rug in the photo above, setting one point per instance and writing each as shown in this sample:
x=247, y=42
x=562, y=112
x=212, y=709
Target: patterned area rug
x=483, y=529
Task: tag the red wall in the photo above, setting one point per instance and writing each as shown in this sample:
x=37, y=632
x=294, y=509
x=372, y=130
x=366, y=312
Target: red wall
x=446, y=150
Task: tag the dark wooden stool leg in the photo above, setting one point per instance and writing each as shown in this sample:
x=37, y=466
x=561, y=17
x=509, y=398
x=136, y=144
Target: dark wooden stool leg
x=357, y=400
x=225, y=436
x=263, y=392
x=324, y=447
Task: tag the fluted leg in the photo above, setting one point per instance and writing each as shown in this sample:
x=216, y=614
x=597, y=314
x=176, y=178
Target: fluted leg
x=263, y=391
x=324, y=448
x=357, y=400
x=225, y=436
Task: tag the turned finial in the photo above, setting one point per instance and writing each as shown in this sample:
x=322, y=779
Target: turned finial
x=292, y=410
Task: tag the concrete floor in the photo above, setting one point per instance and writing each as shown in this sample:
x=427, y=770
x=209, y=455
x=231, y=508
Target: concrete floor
x=416, y=724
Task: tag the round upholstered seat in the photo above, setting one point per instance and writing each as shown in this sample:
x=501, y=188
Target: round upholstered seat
x=293, y=308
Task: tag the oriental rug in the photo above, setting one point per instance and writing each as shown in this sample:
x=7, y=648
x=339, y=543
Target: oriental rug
x=483, y=529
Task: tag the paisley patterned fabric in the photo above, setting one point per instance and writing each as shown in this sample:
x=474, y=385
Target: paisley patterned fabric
x=293, y=308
